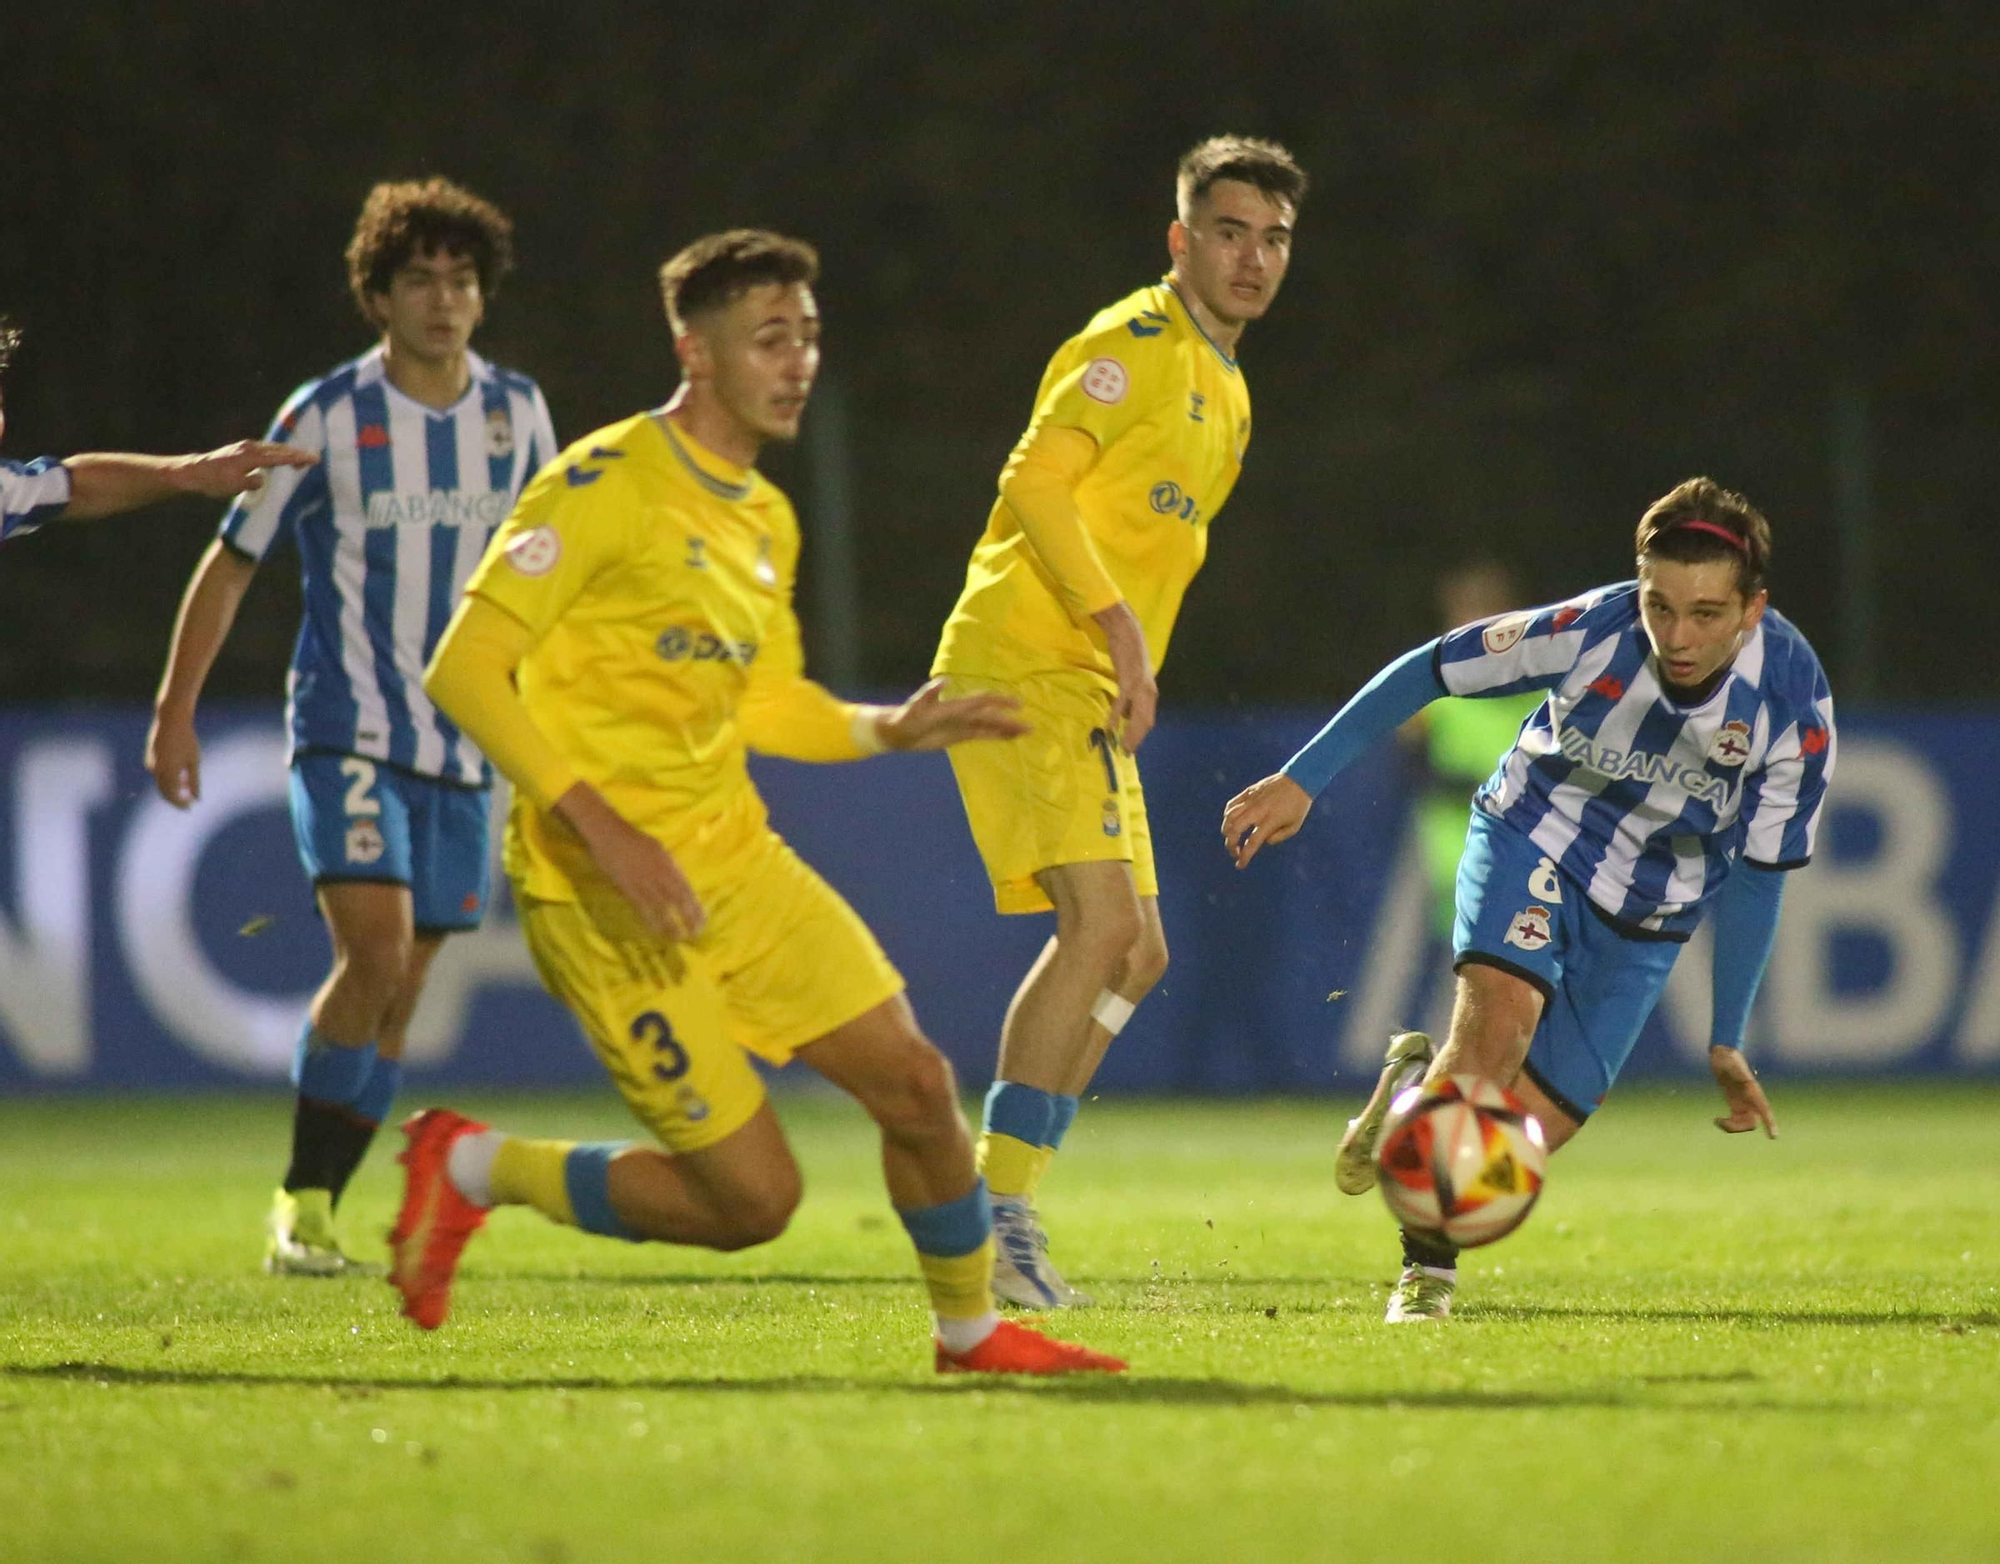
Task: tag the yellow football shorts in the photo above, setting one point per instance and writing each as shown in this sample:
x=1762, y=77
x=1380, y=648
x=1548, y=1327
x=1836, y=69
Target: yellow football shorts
x=1065, y=793
x=782, y=960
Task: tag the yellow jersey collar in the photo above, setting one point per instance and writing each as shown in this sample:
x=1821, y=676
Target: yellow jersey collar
x=1175, y=289
x=717, y=474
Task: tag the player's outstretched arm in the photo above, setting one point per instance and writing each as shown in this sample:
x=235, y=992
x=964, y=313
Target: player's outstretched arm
x=1378, y=708
x=928, y=720
x=1272, y=810
x=1262, y=815
x=102, y=483
x=208, y=608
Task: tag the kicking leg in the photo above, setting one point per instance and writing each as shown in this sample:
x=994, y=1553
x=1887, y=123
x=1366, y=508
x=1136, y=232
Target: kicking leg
x=733, y=1194
x=907, y=1086
x=1493, y=1020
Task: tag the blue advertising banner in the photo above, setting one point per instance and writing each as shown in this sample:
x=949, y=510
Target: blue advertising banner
x=141, y=946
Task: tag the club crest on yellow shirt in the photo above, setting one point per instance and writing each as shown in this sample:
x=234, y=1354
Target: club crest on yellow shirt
x=764, y=570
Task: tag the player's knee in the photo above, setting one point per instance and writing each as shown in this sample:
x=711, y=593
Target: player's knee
x=917, y=1096
x=374, y=965
x=1103, y=935
x=760, y=1214
x=379, y=953
x=1145, y=962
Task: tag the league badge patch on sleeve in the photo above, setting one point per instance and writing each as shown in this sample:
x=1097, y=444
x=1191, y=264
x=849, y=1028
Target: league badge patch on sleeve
x=535, y=552
x=1501, y=635
x=1106, y=381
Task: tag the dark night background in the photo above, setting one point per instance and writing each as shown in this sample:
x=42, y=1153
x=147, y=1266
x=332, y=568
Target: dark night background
x=1557, y=257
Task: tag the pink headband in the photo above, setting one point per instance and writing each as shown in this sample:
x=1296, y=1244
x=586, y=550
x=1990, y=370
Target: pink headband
x=1723, y=533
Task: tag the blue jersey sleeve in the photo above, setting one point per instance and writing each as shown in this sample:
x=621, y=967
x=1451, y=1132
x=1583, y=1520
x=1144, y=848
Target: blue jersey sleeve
x=1782, y=798
x=1531, y=650
x=1746, y=925
x=254, y=520
x=543, y=449
x=31, y=494
x=1385, y=702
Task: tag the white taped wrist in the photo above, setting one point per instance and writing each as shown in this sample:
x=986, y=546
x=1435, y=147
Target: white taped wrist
x=1111, y=1011
x=866, y=728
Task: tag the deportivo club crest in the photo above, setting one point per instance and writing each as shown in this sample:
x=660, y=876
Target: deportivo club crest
x=1732, y=744
x=364, y=842
x=499, y=433
x=1529, y=928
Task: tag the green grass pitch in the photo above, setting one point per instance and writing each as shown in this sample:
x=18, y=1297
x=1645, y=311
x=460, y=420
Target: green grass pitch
x=1698, y=1348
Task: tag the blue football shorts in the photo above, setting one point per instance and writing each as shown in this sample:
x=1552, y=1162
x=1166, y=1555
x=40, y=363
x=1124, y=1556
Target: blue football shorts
x=364, y=821
x=1517, y=911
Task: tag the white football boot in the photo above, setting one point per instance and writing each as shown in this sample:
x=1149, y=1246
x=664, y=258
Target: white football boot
x=1420, y=1295
x=1409, y=1056
x=1023, y=1274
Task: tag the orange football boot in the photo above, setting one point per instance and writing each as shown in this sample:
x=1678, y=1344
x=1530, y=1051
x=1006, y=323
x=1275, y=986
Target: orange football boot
x=1014, y=1348
x=436, y=1220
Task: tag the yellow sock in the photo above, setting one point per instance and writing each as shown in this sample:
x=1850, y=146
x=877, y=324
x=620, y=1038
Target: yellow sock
x=961, y=1285
x=1044, y=1155
x=1007, y=1163
x=531, y=1173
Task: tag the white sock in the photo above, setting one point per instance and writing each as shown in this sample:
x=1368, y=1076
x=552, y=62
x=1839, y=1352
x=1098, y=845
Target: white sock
x=1444, y=1273
x=960, y=1336
x=469, y=1165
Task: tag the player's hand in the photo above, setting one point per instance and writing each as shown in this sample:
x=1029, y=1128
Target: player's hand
x=639, y=868
x=1263, y=814
x=1138, y=699
x=928, y=720
x=235, y=469
x=173, y=756
x=1747, y=1104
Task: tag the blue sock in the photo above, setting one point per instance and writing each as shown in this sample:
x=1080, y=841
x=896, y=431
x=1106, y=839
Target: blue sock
x=327, y=1072
x=955, y=1253
x=1063, y=1113
x=1022, y=1112
x=379, y=1095
x=957, y=1227
x=328, y=1140
x=587, y=1178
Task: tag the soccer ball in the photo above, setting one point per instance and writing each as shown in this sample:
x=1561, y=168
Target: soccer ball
x=1461, y=1160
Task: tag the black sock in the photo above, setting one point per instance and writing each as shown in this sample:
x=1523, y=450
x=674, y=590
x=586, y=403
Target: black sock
x=1434, y=1252
x=322, y=1133
x=350, y=1144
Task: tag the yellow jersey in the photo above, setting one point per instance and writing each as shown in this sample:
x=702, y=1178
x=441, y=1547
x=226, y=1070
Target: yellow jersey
x=657, y=579
x=1170, y=414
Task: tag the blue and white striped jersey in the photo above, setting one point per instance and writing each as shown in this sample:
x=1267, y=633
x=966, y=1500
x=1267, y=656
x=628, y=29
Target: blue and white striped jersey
x=31, y=493
x=389, y=526
x=1642, y=802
